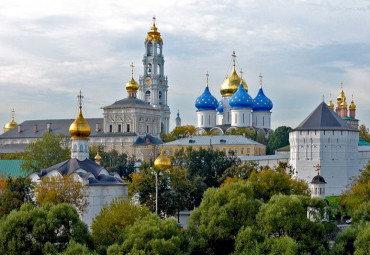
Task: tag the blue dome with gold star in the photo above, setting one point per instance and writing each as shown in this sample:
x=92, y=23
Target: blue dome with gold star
x=241, y=99
x=206, y=101
x=261, y=103
x=220, y=107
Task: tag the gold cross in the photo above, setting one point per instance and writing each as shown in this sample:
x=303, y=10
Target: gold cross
x=132, y=69
x=13, y=114
x=154, y=21
x=207, y=74
x=318, y=167
x=241, y=74
x=234, y=57
x=80, y=96
x=260, y=80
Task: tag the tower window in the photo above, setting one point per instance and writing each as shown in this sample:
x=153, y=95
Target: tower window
x=149, y=49
x=149, y=69
x=147, y=128
x=147, y=96
x=110, y=128
x=160, y=97
x=201, y=122
x=158, y=69
x=119, y=128
x=128, y=128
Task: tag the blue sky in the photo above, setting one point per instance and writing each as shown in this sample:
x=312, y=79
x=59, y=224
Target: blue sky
x=304, y=49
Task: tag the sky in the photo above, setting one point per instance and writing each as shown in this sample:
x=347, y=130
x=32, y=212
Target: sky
x=50, y=50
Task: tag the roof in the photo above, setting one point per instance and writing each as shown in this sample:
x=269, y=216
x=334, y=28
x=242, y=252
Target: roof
x=264, y=157
x=349, y=118
x=130, y=102
x=285, y=148
x=213, y=140
x=362, y=142
x=57, y=126
x=70, y=166
x=13, y=148
x=318, y=179
x=324, y=118
x=11, y=167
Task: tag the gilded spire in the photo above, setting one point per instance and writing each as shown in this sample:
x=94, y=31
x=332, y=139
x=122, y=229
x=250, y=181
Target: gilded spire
x=11, y=124
x=352, y=106
x=153, y=34
x=331, y=105
x=132, y=85
x=79, y=128
x=232, y=82
x=342, y=97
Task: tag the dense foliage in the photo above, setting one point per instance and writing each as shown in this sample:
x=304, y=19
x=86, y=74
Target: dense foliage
x=58, y=190
x=180, y=132
x=364, y=133
x=45, y=152
x=16, y=191
x=277, y=139
x=42, y=230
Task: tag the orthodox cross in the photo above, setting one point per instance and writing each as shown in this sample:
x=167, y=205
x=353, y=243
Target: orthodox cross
x=132, y=69
x=80, y=96
x=153, y=21
x=241, y=74
x=207, y=75
x=13, y=114
x=341, y=84
x=323, y=97
x=261, y=80
x=234, y=57
x=318, y=167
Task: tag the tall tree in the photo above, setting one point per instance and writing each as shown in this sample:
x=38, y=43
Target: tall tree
x=277, y=139
x=109, y=225
x=364, y=133
x=58, y=189
x=16, y=192
x=180, y=132
x=45, y=152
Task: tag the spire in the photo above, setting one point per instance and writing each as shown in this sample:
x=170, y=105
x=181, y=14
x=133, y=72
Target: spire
x=261, y=80
x=153, y=21
x=234, y=58
x=207, y=75
x=14, y=111
x=241, y=74
x=132, y=69
x=80, y=97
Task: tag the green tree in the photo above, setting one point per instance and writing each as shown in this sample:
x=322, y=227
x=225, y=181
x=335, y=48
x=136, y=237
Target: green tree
x=359, y=191
x=223, y=211
x=16, y=192
x=109, y=225
x=287, y=216
x=362, y=243
x=364, y=133
x=32, y=230
x=277, y=139
x=74, y=248
x=151, y=235
x=45, y=152
x=247, y=132
x=114, y=161
x=180, y=132
x=344, y=241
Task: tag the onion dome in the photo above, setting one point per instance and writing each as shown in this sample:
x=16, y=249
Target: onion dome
x=206, y=101
x=153, y=34
x=241, y=99
x=331, y=105
x=344, y=103
x=342, y=97
x=220, y=107
x=79, y=128
x=231, y=83
x=178, y=116
x=261, y=103
x=132, y=85
x=352, y=106
x=97, y=157
x=162, y=162
x=11, y=124
x=318, y=179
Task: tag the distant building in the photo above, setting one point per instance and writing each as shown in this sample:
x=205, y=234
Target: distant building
x=235, y=145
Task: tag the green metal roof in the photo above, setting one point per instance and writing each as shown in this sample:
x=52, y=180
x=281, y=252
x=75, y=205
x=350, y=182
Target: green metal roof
x=362, y=142
x=11, y=167
x=349, y=118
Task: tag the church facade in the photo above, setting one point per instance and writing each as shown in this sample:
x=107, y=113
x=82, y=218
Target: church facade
x=132, y=125
x=236, y=109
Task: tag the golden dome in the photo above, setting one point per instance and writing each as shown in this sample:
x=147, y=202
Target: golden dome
x=153, y=34
x=11, y=124
x=79, y=128
x=342, y=97
x=132, y=85
x=162, y=162
x=232, y=83
x=331, y=105
x=97, y=157
x=352, y=106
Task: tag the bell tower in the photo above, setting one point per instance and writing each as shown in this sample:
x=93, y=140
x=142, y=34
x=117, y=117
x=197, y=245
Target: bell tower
x=153, y=84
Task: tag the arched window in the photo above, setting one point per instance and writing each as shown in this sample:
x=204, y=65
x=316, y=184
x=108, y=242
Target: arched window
x=160, y=97
x=81, y=148
x=149, y=69
x=149, y=49
x=158, y=69
x=162, y=127
x=147, y=96
x=74, y=147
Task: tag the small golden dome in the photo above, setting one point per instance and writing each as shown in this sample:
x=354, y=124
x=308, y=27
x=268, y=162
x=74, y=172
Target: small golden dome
x=342, y=97
x=132, y=85
x=162, y=162
x=153, y=34
x=97, y=157
x=352, y=106
x=232, y=83
x=79, y=128
x=11, y=124
x=331, y=105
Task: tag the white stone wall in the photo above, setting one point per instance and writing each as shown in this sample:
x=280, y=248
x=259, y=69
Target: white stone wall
x=261, y=119
x=226, y=114
x=98, y=197
x=206, y=118
x=335, y=151
x=241, y=117
x=363, y=156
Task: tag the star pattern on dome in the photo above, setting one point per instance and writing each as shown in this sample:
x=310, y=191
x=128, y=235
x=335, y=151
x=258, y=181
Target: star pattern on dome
x=220, y=106
x=241, y=99
x=206, y=101
x=262, y=102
